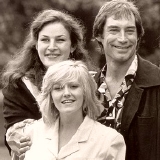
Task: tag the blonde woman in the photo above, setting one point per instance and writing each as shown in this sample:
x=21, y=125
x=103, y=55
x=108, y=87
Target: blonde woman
x=68, y=128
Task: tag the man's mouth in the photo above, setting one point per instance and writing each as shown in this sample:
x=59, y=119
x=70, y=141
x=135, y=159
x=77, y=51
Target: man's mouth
x=122, y=47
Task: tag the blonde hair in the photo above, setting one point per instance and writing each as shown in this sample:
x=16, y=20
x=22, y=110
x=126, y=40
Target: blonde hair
x=64, y=72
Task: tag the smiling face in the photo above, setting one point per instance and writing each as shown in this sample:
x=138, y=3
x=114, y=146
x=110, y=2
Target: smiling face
x=119, y=39
x=68, y=98
x=54, y=44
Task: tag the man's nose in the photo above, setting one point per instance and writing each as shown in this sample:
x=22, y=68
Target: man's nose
x=122, y=37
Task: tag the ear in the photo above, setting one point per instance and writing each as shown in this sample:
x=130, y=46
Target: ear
x=99, y=38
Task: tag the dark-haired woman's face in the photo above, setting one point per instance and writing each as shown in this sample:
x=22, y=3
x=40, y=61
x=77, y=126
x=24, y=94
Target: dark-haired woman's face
x=54, y=44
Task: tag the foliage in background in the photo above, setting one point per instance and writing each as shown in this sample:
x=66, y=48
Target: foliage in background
x=16, y=15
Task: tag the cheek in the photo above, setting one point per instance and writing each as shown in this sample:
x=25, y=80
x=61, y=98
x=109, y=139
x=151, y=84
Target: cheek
x=66, y=46
x=55, y=97
x=66, y=54
x=41, y=46
x=66, y=49
x=108, y=39
x=80, y=97
x=133, y=40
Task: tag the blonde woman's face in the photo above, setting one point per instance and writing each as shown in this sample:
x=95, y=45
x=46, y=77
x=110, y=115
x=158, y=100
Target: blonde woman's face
x=54, y=44
x=68, y=98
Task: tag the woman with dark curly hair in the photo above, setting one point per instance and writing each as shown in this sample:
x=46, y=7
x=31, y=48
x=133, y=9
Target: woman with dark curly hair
x=54, y=36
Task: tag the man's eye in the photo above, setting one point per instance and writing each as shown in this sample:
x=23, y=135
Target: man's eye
x=130, y=31
x=113, y=31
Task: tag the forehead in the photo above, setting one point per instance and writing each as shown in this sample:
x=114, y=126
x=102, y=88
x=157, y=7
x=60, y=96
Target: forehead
x=121, y=21
x=68, y=82
x=69, y=77
x=54, y=28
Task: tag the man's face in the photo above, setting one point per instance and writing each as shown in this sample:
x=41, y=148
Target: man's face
x=119, y=39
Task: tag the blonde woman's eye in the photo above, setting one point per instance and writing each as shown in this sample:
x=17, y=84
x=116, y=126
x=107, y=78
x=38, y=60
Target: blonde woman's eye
x=57, y=88
x=74, y=86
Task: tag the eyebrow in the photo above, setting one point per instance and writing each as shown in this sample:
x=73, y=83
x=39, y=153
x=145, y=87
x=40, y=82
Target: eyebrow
x=132, y=27
x=117, y=27
x=61, y=35
x=56, y=36
x=112, y=26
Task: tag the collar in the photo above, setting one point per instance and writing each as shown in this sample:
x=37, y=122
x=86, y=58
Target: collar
x=82, y=135
x=133, y=67
x=131, y=73
x=145, y=75
x=82, y=132
x=31, y=87
x=131, y=70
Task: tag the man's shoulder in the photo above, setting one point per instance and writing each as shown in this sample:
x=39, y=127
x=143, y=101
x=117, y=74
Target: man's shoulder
x=148, y=74
x=108, y=133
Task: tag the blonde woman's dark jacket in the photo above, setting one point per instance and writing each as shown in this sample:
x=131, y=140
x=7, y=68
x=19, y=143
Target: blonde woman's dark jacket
x=141, y=114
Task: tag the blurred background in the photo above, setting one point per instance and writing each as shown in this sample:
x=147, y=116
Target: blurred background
x=16, y=16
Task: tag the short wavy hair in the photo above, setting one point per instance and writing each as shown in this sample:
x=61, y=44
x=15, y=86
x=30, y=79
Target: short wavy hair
x=118, y=8
x=64, y=72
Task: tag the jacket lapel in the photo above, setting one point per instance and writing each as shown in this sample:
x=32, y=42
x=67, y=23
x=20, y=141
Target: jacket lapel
x=143, y=79
x=131, y=106
x=81, y=136
x=69, y=149
x=52, y=138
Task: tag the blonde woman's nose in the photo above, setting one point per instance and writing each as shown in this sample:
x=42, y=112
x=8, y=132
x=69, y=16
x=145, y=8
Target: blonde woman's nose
x=66, y=91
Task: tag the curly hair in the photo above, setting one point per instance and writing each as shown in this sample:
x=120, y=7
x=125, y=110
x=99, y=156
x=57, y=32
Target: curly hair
x=27, y=62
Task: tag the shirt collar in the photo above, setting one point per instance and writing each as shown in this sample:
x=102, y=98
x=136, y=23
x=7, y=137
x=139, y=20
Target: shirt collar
x=131, y=70
x=133, y=67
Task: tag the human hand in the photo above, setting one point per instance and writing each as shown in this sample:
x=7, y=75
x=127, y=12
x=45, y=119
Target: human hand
x=17, y=126
x=16, y=139
x=25, y=144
